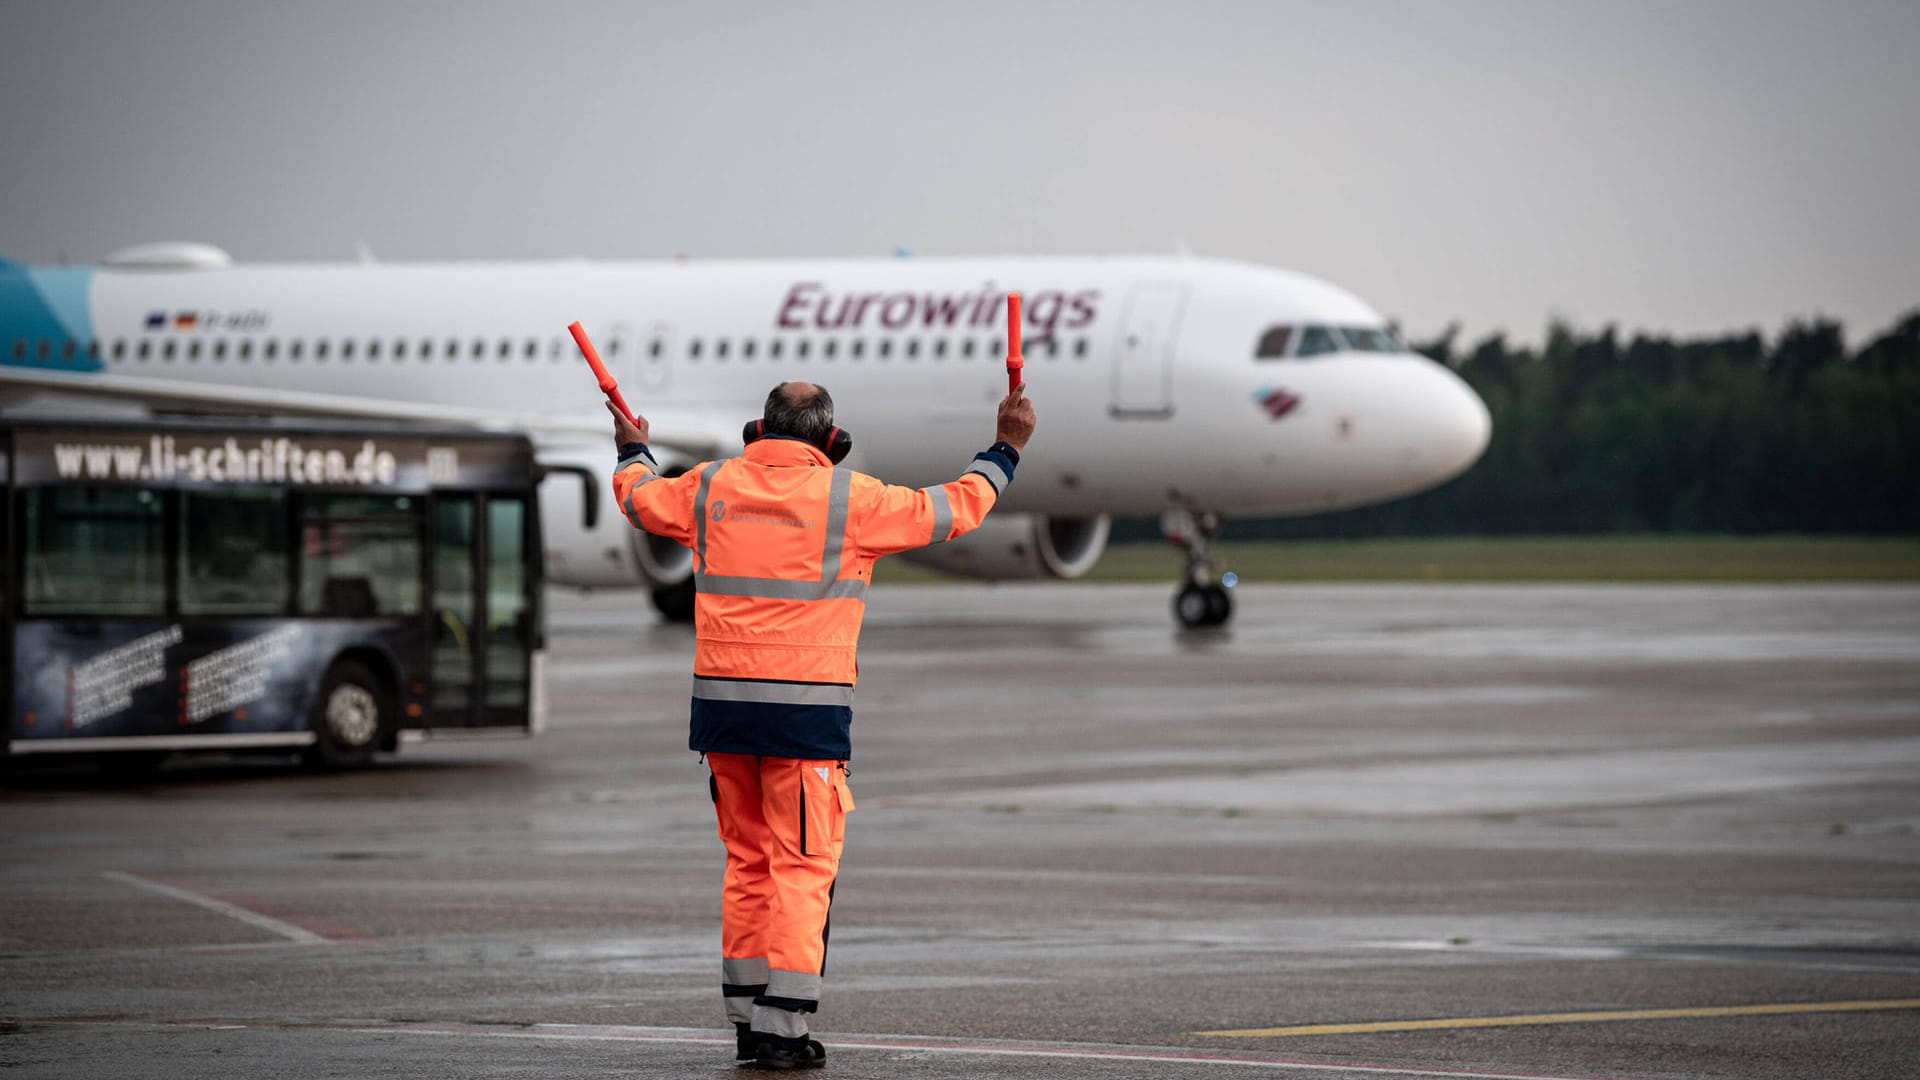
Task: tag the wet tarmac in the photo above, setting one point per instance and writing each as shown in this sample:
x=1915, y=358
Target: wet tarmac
x=1593, y=832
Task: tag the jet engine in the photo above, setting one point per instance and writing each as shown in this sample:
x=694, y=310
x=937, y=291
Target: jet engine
x=1020, y=547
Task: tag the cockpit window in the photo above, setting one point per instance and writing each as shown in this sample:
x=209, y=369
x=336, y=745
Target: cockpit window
x=1273, y=343
x=1369, y=339
x=1317, y=340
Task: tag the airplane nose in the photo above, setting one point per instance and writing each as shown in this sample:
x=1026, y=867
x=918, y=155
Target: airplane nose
x=1461, y=425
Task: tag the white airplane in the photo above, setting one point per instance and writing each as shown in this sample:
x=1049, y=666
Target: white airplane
x=1190, y=388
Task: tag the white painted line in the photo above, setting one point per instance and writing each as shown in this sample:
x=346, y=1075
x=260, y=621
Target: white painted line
x=232, y=911
x=1057, y=1050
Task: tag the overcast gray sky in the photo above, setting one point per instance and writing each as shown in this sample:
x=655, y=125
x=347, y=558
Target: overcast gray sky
x=1677, y=166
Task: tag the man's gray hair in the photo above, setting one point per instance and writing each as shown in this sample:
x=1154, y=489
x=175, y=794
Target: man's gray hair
x=809, y=418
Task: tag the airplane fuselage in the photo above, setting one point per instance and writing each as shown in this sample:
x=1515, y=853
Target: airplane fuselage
x=1144, y=370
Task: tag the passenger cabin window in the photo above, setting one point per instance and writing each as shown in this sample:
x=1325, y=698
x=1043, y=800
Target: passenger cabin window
x=1369, y=339
x=1317, y=341
x=1273, y=344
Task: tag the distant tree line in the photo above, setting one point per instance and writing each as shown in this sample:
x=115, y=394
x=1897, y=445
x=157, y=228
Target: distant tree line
x=1733, y=434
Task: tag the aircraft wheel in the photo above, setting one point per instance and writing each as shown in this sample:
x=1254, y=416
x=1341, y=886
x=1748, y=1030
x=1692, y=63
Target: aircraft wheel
x=675, y=602
x=1219, y=604
x=1192, y=607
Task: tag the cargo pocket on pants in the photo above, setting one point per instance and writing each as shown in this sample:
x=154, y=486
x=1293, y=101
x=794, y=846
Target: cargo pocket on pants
x=821, y=822
x=843, y=799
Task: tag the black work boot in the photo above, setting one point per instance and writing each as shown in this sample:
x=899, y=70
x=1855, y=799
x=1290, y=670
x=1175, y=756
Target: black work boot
x=746, y=1045
x=776, y=1052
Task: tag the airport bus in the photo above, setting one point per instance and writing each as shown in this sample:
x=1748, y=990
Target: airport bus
x=266, y=586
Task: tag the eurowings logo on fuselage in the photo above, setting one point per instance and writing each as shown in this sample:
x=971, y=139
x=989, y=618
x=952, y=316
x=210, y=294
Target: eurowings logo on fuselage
x=1276, y=402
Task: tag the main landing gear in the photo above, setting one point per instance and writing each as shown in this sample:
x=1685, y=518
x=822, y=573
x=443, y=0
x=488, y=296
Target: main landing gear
x=1201, y=601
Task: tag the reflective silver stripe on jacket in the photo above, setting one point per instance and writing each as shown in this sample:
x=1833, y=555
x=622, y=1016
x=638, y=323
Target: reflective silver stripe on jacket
x=839, y=494
x=700, y=516
x=942, y=514
x=779, y=588
x=777, y=693
x=995, y=475
x=626, y=504
x=640, y=456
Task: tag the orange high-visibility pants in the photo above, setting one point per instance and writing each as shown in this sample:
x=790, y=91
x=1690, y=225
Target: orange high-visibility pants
x=783, y=821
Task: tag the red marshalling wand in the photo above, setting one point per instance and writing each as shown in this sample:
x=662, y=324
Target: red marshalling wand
x=1014, y=360
x=607, y=385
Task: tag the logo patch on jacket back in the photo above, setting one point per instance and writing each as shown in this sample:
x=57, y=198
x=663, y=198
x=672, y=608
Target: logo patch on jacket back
x=756, y=514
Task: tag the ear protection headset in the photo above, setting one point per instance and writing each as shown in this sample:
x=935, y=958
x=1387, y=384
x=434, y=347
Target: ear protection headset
x=837, y=445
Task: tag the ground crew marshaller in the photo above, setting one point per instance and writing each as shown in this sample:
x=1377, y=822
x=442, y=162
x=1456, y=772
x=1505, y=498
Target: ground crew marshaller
x=784, y=545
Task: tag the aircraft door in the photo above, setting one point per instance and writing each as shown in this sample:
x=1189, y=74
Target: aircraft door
x=655, y=358
x=1143, y=357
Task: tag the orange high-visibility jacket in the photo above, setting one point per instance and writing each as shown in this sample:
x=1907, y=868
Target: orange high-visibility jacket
x=783, y=548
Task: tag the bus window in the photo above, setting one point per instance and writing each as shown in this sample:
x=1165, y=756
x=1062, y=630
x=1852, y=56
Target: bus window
x=1317, y=341
x=94, y=551
x=509, y=629
x=360, y=556
x=233, y=553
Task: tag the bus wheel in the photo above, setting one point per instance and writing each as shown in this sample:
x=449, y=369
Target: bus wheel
x=349, y=719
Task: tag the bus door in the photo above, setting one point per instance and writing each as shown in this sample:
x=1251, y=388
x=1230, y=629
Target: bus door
x=1143, y=358
x=484, y=619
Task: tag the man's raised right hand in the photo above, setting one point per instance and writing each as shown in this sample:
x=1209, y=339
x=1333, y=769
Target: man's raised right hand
x=1015, y=424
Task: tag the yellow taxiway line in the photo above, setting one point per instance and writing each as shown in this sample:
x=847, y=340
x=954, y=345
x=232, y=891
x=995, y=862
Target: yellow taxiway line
x=1572, y=1018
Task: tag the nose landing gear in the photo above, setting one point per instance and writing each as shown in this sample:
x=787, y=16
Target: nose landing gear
x=1201, y=601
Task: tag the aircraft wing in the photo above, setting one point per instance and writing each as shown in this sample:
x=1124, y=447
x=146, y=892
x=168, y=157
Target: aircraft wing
x=694, y=434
